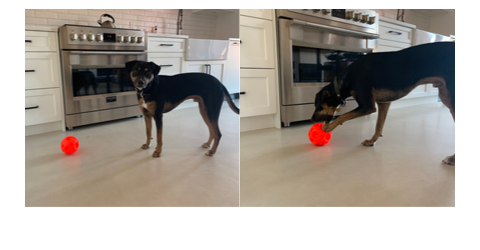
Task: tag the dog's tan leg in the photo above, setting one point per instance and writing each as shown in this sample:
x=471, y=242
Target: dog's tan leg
x=158, y=149
x=217, y=136
x=203, y=112
x=348, y=116
x=382, y=115
x=148, y=126
x=444, y=95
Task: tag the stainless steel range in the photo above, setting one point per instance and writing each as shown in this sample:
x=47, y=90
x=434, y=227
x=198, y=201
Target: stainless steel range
x=96, y=86
x=315, y=45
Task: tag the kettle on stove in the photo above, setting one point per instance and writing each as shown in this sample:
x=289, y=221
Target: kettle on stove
x=108, y=23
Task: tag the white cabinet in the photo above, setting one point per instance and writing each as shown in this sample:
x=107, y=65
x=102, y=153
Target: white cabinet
x=170, y=63
x=257, y=39
x=43, y=85
x=214, y=68
x=258, y=95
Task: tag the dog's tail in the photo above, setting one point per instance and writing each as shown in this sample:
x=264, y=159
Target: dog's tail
x=229, y=100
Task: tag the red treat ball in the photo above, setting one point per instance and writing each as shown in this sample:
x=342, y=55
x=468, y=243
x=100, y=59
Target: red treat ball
x=69, y=145
x=317, y=136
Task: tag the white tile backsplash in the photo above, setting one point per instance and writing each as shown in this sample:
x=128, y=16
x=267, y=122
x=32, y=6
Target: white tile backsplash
x=195, y=25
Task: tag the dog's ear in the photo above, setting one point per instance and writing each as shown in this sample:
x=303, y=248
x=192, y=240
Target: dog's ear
x=156, y=68
x=129, y=66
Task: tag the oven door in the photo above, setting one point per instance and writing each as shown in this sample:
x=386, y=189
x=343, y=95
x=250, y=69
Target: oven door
x=311, y=55
x=97, y=80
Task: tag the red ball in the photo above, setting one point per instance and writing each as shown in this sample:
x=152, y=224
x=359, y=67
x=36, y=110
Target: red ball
x=317, y=136
x=69, y=145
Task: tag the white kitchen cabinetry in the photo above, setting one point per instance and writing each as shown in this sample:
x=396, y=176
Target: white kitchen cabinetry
x=167, y=51
x=214, y=68
x=258, y=92
x=170, y=63
x=258, y=70
x=257, y=39
x=43, y=87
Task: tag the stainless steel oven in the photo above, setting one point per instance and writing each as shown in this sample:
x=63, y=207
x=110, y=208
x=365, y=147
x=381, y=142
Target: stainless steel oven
x=315, y=46
x=96, y=86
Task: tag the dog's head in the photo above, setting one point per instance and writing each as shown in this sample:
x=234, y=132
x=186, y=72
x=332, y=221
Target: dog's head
x=326, y=102
x=142, y=73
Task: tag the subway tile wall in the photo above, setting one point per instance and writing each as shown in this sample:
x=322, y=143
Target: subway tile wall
x=194, y=25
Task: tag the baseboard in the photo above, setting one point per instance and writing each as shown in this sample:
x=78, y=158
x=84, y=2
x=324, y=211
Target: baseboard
x=43, y=128
x=257, y=122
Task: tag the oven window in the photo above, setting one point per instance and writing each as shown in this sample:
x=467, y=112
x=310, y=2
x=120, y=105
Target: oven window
x=100, y=81
x=320, y=65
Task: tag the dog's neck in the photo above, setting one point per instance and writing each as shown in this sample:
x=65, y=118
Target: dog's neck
x=337, y=87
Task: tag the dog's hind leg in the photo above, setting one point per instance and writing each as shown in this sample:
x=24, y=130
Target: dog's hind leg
x=447, y=100
x=382, y=115
x=213, y=112
x=204, y=113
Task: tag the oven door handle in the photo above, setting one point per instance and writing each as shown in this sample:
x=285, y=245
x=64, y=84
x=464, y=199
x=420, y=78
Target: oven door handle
x=350, y=32
x=106, y=53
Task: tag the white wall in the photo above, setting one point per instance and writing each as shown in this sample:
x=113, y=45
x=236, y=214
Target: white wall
x=228, y=26
x=195, y=25
x=443, y=24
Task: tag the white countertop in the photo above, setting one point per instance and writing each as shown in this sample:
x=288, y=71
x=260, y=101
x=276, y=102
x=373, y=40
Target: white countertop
x=167, y=35
x=41, y=28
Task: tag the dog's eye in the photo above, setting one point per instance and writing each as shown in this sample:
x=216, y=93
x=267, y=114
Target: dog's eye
x=134, y=73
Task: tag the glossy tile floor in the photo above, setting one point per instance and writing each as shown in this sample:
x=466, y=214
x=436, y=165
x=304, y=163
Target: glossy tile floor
x=110, y=169
x=282, y=168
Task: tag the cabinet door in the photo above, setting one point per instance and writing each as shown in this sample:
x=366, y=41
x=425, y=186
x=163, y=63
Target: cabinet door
x=257, y=43
x=260, y=13
x=196, y=66
x=217, y=69
x=257, y=88
x=42, y=106
x=171, y=63
x=40, y=41
x=41, y=70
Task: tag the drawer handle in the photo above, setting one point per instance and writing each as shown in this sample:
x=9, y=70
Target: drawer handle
x=34, y=107
x=395, y=32
x=164, y=44
x=29, y=70
x=242, y=93
x=167, y=65
x=28, y=41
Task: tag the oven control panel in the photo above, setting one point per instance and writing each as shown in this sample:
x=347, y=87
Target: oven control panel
x=98, y=36
x=358, y=17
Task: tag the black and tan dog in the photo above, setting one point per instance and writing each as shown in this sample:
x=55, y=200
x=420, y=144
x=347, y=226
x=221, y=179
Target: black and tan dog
x=385, y=77
x=159, y=94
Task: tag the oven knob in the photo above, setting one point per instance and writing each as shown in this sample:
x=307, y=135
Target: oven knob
x=316, y=11
x=91, y=37
x=82, y=37
x=349, y=15
x=364, y=18
x=119, y=39
x=326, y=11
x=126, y=39
x=371, y=20
x=357, y=17
x=140, y=39
x=133, y=39
x=73, y=36
x=99, y=37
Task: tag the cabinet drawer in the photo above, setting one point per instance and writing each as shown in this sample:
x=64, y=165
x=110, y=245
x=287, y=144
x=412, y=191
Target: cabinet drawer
x=257, y=43
x=171, y=63
x=257, y=88
x=264, y=14
x=165, y=45
x=42, y=106
x=40, y=41
x=41, y=70
x=395, y=33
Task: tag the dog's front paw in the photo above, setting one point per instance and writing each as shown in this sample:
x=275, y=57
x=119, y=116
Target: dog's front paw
x=145, y=146
x=327, y=127
x=368, y=143
x=156, y=154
